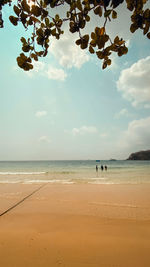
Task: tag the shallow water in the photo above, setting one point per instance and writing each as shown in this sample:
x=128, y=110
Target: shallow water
x=118, y=172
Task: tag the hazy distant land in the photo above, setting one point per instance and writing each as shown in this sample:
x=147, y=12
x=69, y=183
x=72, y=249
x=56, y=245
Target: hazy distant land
x=140, y=155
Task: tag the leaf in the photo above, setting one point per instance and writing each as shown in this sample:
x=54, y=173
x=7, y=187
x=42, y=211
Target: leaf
x=91, y=50
x=78, y=42
x=78, y=5
x=53, y=32
x=23, y=40
x=148, y=35
x=84, y=45
x=26, y=48
x=104, y=65
x=25, y=6
x=44, y=13
x=144, y=1
x=86, y=37
x=56, y=17
x=146, y=13
x=28, y=67
x=102, y=31
x=87, y=18
x=109, y=62
x=82, y=24
x=47, y=22
x=96, y=10
x=133, y=27
x=23, y=17
x=106, y=38
x=93, y=35
x=13, y=20
x=97, y=31
x=130, y=6
x=40, y=53
x=39, y=32
x=114, y=14
x=100, y=11
x=116, y=40
x=147, y=25
x=107, y=13
x=34, y=19
x=93, y=43
x=36, y=11
x=99, y=54
x=125, y=50
x=17, y=10
x=34, y=56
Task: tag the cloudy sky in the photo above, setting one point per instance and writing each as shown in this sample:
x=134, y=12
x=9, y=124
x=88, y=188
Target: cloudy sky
x=68, y=107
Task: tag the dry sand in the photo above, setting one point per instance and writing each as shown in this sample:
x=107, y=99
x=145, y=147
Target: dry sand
x=75, y=226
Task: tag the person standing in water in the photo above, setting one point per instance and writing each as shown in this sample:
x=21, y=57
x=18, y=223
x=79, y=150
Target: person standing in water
x=102, y=168
x=96, y=168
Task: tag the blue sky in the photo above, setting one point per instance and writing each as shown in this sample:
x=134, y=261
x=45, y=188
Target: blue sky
x=68, y=107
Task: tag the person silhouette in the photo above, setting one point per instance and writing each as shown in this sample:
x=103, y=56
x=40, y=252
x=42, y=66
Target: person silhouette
x=96, y=168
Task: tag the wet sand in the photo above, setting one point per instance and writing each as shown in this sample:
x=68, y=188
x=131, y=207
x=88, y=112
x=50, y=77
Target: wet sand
x=75, y=225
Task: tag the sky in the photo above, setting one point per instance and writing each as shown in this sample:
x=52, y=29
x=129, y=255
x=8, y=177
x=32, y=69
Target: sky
x=68, y=108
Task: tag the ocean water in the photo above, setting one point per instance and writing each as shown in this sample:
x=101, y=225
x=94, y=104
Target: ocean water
x=76, y=171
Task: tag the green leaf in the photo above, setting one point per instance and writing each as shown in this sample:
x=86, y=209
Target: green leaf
x=114, y=14
x=23, y=40
x=107, y=13
x=96, y=10
x=47, y=22
x=87, y=18
x=56, y=17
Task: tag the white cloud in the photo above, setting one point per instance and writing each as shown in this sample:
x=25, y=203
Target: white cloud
x=45, y=139
x=41, y=113
x=122, y=113
x=134, y=82
x=67, y=52
x=55, y=74
x=137, y=135
x=84, y=130
x=38, y=67
x=47, y=71
x=104, y=135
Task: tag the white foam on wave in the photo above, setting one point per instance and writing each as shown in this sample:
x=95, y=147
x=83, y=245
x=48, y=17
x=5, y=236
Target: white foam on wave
x=20, y=173
x=102, y=178
x=114, y=204
x=100, y=182
x=48, y=181
x=10, y=182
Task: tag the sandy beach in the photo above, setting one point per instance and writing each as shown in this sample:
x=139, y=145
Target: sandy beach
x=79, y=225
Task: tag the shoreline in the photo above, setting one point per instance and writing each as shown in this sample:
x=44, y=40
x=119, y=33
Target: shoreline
x=79, y=225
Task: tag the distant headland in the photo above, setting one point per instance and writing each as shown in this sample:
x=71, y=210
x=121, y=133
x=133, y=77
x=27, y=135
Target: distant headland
x=140, y=155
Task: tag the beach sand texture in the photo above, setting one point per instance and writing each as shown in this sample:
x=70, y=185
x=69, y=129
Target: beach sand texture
x=78, y=225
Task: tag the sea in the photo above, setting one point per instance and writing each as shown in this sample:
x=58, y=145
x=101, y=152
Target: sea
x=75, y=171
